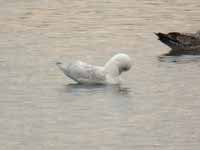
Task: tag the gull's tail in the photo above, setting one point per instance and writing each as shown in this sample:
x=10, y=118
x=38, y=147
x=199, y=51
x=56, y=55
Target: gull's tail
x=58, y=63
x=169, y=40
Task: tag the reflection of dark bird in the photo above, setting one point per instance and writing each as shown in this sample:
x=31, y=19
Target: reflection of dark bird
x=181, y=43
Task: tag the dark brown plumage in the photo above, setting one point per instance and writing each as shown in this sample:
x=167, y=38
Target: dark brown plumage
x=181, y=43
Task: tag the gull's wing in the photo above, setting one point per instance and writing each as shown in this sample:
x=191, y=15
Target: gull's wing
x=83, y=73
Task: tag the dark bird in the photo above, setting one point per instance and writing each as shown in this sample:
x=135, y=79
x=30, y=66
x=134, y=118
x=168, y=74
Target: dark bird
x=181, y=43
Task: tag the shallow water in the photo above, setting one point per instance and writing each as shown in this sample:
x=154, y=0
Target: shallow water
x=156, y=107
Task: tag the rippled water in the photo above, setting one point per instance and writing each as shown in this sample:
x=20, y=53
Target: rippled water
x=156, y=107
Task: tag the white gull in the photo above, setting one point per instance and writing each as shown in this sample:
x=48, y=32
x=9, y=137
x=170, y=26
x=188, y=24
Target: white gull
x=84, y=73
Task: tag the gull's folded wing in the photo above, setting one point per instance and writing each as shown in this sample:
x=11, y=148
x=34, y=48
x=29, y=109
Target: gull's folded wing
x=83, y=73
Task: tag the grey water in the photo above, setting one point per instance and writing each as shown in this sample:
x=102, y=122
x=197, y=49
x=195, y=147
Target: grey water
x=157, y=107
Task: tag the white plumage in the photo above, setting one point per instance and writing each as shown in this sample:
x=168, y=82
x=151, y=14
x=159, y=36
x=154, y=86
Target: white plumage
x=89, y=74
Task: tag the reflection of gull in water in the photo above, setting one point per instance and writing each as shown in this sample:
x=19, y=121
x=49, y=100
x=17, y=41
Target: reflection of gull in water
x=98, y=89
x=88, y=74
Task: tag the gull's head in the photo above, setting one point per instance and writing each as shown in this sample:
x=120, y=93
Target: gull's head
x=121, y=60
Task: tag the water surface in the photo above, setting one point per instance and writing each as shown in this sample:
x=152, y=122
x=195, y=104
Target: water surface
x=156, y=107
